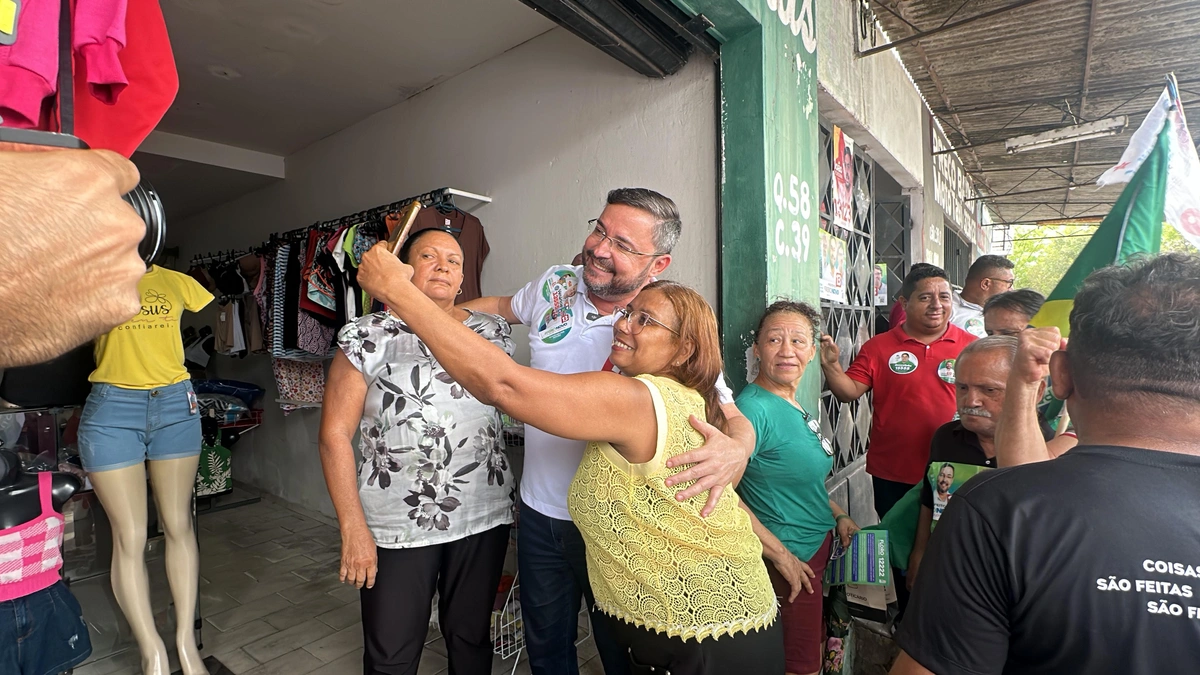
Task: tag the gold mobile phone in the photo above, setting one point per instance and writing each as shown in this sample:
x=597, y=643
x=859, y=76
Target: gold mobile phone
x=396, y=237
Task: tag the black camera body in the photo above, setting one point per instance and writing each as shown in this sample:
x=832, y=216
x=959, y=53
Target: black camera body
x=143, y=198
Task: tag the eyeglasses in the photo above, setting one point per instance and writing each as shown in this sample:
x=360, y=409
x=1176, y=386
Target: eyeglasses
x=1010, y=282
x=599, y=231
x=636, y=320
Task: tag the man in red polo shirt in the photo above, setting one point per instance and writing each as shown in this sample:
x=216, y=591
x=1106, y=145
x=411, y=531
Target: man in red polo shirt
x=911, y=369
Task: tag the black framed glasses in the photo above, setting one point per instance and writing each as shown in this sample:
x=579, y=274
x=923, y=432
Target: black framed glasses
x=1010, y=282
x=637, y=319
x=599, y=231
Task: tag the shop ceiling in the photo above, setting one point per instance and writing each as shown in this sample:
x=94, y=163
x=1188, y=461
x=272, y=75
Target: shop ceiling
x=274, y=76
x=993, y=70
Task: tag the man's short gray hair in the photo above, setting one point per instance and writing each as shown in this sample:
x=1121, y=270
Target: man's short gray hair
x=667, y=224
x=1006, y=343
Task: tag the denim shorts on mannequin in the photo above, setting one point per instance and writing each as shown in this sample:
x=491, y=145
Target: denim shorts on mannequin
x=43, y=633
x=122, y=427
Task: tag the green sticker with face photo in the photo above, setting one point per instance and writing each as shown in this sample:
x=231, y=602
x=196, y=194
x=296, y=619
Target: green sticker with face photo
x=946, y=370
x=903, y=363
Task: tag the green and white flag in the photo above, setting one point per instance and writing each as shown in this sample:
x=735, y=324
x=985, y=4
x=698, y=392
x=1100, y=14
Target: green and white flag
x=1182, y=206
x=1133, y=227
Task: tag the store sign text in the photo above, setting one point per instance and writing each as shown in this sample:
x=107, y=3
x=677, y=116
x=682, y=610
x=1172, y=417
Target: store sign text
x=796, y=201
x=951, y=187
x=802, y=23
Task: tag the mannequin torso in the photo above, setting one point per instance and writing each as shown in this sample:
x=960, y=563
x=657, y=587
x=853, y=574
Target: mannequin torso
x=19, y=500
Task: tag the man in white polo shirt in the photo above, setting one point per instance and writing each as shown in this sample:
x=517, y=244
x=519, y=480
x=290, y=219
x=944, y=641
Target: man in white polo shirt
x=569, y=311
x=989, y=275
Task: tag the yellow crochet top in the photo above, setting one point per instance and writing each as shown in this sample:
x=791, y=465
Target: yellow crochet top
x=652, y=560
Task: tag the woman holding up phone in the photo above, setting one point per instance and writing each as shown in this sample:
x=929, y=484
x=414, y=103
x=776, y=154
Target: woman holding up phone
x=682, y=593
x=431, y=505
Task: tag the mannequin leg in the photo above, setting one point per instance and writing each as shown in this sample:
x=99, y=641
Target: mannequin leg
x=172, y=481
x=122, y=493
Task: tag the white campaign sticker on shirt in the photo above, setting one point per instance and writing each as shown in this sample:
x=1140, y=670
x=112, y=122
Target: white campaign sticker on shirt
x=903, y=363
x=974, y=326
x=946, y=370
x=558, y=291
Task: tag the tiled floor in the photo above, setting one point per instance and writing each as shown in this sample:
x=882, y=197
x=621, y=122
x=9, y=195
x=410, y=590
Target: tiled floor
x=271, y=602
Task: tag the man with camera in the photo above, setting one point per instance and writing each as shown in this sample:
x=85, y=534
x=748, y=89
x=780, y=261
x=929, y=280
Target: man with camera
x=69, y=262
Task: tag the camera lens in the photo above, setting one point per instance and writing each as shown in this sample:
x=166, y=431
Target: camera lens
x=146, y=202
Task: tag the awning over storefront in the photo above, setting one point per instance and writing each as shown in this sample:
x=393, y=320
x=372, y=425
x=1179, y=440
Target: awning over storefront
x=993, y=71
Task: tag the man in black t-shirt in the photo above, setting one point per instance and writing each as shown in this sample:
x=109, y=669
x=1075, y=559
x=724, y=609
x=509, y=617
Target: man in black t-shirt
x=966, y=446
x=1089, y=563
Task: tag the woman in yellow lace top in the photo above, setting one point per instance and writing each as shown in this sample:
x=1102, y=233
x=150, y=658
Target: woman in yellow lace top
x=683, y=593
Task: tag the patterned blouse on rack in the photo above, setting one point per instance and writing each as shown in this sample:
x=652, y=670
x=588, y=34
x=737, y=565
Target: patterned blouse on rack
x=433, y=468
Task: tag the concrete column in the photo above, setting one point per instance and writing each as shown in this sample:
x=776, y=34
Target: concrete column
x=769, y=152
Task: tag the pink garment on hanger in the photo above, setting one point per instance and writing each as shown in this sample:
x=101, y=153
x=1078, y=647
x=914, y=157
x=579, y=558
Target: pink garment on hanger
x=30, y=553
x=29, y=68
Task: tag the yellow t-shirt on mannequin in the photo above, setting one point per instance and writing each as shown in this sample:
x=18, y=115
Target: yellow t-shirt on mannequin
x=147, y=351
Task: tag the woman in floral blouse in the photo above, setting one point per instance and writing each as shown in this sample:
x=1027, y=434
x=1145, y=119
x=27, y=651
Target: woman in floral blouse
x=431, y=504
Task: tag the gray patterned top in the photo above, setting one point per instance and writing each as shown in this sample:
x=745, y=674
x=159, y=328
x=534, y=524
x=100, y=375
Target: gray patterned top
x=433, y=468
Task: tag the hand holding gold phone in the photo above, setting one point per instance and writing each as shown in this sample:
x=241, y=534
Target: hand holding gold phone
x=397, y=236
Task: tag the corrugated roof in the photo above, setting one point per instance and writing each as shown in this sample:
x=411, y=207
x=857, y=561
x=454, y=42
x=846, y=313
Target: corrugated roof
x=1042, y=66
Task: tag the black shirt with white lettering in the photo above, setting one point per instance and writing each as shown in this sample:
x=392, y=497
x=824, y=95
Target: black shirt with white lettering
x=1089, y=563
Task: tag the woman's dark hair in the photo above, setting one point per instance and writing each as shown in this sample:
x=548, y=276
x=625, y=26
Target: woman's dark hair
x=407, y=247
x=698, y=324
x=792, y=307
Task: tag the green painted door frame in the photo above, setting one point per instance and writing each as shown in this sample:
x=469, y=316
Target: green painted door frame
x=770, y=192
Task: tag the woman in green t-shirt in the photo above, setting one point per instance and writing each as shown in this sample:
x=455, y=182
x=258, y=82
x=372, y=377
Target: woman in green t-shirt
x=784, y=483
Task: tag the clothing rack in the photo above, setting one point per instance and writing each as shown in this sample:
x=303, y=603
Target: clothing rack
x=220, y=256
x=432, y=198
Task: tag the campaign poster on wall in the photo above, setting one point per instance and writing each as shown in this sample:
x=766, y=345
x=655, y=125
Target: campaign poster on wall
x=843, y=180
x=835, y=263
x=881, y=287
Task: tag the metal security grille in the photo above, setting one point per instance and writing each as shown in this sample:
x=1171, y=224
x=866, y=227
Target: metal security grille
x=892, y=227
x=851, y=324
x=957, y=259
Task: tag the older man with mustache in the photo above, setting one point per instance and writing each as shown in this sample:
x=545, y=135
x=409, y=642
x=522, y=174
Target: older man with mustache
x=967, y=446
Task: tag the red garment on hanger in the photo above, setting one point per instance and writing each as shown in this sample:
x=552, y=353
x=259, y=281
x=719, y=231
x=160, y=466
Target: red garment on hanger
x=149, y=67
x=29, y=68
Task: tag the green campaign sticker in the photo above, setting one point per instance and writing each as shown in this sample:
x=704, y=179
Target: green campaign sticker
x=555, y=325
x=903, y=363
x=944, y=480
x=946, y=370
x=974, y=326
x=560, y=287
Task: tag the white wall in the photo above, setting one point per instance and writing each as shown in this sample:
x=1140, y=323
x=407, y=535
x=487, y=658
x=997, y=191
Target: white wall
x=872, y=98
x=546, y=129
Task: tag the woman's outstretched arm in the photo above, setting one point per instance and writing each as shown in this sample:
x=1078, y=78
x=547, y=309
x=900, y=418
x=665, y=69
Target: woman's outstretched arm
x=595, y=406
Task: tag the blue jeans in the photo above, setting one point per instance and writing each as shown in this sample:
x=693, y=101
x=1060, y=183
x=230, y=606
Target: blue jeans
x=553, y=568
x=43, y=633
x=122, y=427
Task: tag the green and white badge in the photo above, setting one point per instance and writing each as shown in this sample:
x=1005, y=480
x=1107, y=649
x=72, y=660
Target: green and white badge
x=903, y=363
x=946, y=370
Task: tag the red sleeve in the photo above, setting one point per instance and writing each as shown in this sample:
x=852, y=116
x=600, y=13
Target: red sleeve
x=863, y=368
x=99, y=35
